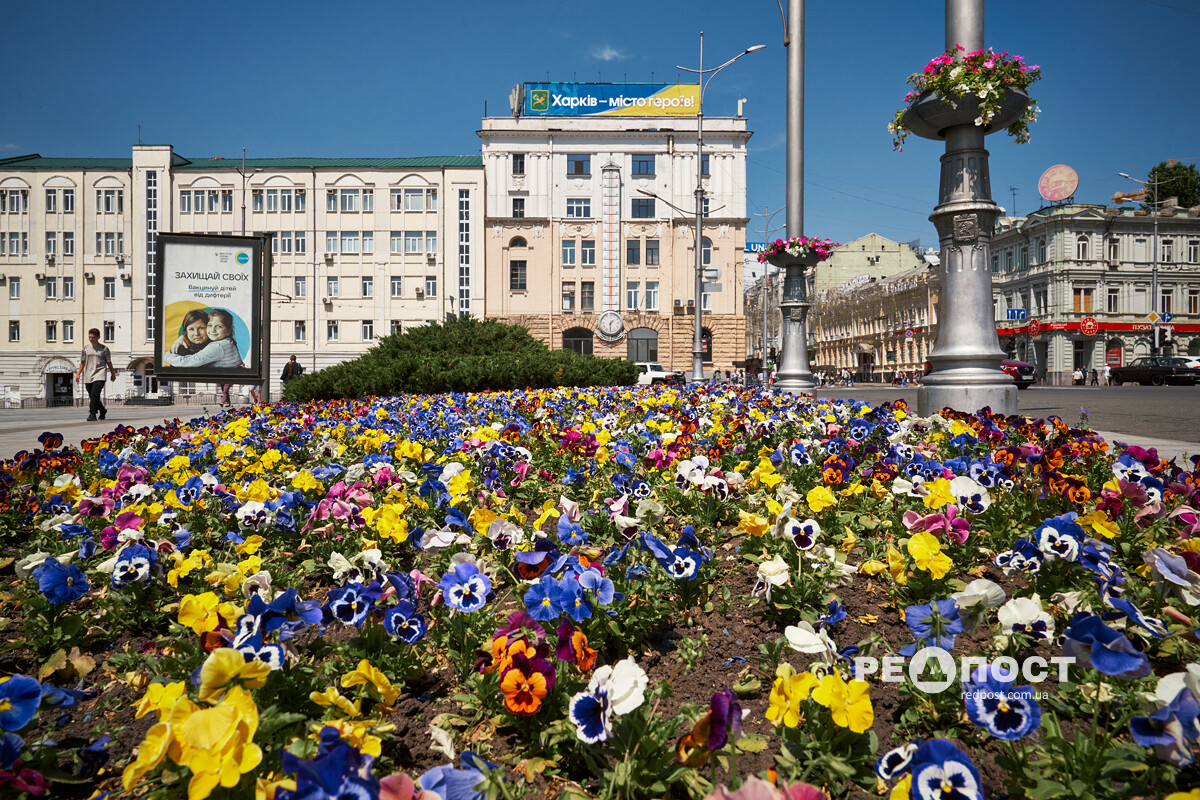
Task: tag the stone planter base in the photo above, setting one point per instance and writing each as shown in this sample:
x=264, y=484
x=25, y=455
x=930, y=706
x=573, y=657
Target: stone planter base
x=785, y=260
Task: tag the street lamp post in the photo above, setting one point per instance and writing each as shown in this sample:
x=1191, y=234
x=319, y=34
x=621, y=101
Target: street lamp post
x=245, y=175
x=1153, y=266
x=697, y=338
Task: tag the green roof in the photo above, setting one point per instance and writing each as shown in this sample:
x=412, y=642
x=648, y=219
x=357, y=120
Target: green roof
x=37, y=162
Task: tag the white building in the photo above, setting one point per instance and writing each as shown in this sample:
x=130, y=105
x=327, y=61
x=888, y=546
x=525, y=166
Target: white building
x=361, y=247
x=595, y=214
x=1077, y=281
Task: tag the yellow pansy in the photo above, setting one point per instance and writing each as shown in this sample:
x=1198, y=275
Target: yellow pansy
x=872, y=567
x=548, y=511
x=225, y=665
x=250, y=544
x=848, y=542
x=204, y=612
x=265, y=788
x=149, y=755
x=365, y=674
x=774, y=507
x=306, y=481
x=358, y=734
x=482, y=518
x=855, y=488
x=332, y=697
x=926, y=551
x=849, y=702
x=939, y=493
x=820, y=498
x=903, y=789
x=897, y=566
x=388, y=521
x=159, y=697
x=177, y=463
x=752, y=523
x=1098, y=522
x=788, y=691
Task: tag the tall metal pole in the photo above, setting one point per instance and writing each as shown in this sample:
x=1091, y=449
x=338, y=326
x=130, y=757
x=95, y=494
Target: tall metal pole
x=966, y=357
x=697, y=338
x=1155, y=334
x=794, y=375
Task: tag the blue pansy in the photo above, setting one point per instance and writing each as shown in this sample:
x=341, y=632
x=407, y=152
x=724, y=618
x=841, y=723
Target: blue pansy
x=940, y=771
x=458, y=784
x=934, y=624
x=833, y=616
x=465, y=588
x=61, y=583
x=403, y=622
x=1060, y=537
x=1094, y=644
x=1171, y=730
x=337, y=772
x=20, y=697
x=347, y=605
x=570, y=533
x=1155, y=626
x=994, y=704
x=134, y=565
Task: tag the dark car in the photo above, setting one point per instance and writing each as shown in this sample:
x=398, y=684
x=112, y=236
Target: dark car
x=1155, y=371
x=1023, y=374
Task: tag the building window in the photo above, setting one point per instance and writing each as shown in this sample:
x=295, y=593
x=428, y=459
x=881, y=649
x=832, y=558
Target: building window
x=643, y=166
x=1041, y=251
x=14, y=330
x=414, y=199
x=51, y=243
x=995, y=263
x=1008, y=260
x=518, y=163
x=68, y=243
x=431, y=242
x=704, y=164
x=706, y=306
x=368, y=330
x=1082, y=303
x=396, y=243
x=568, y=296
x=51, y=288
x=299, y=330
x=368, y=242
x=110, y=331
x=704, y=207
x=108, y=201
x=518, y=241
x=642, y=347
x=579, y=340
x=414, y=241
x=110, y=288
x=643, y=208
x=1081, y=248
x=579, y=165
x=256, y=201
x=350, y=199
x=68, y=330
x=185, y=202
x=331, y=330
x=516, y=276
x=1193, y=304
x=431, y=286
x=587, y=296
x=579, y=208
x=368, y=286
x=68, y=198
x=1114, y=248
x=214, y=199
x=1164, y=301
x=272, y=200
x=652, y=295
x=396, y=286
x=300, y=286
x=651, y=252
x=587, y=253
x=331, y=286
x=1114, y=301
x=349, y=242
x=397, y=326
x=633, y=252
x=1194, y=251
x=51, y=330
x=518, y=208
x=227, y=201
x=1168, y=251
x=705, y=252
x=568, y=253
x=68, y=288
x=51, y=201
x=633, y=291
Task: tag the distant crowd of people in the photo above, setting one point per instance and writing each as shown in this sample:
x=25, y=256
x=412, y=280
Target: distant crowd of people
x=1082, y=376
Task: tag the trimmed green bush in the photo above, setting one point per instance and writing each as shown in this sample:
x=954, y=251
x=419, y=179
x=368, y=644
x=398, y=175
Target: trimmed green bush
x=461, y=354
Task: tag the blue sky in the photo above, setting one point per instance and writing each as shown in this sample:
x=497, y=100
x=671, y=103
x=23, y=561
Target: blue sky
x=1119, y=90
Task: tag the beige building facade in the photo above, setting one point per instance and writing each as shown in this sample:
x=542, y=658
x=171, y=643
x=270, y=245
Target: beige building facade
x=590, y=220
x=360, y=248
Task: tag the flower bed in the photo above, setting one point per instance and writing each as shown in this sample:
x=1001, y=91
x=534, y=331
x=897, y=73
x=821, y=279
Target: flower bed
x=637, y=592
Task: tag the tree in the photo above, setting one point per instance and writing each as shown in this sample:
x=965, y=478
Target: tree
x=1174, y=180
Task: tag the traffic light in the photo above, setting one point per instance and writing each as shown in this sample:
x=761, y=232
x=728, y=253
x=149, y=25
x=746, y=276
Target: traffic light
x=1168, y=335
x=772, y=352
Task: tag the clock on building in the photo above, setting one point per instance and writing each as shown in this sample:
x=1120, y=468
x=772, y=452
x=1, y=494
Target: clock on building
x=610, y=326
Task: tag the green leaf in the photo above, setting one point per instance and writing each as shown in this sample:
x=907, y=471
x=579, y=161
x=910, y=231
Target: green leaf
x=1046, y=789
x=751, y=744
x=747, y=687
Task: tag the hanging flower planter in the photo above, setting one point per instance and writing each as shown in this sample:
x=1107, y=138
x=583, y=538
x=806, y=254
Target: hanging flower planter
x=798, y=251
x=960, y=88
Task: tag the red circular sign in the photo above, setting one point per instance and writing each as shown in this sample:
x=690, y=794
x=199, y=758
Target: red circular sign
x=1035, y=327
x=1088, y=326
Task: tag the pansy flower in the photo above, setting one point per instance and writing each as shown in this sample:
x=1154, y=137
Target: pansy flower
x=940, y=771
x=1060, y=538
x=1005, y=711
x=934, y=624
x=1024, y=557
x=526, y=683
x=1094, y=644
x=1026, y=615
x=1171, y=730
x=465, y=588
x=403, y=622
x=802, y=534
x=20, y=697
x=134, y=565
x=61, y=583
x=613, y=690
x=895, y=762
x=347, y=604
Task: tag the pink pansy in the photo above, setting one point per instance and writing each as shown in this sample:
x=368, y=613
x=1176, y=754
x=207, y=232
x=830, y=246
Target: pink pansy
x=953, y=526
x=127, y=520
x=96, y=506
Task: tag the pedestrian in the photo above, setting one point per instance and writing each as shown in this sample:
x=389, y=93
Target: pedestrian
x=1107, y=375
x=225, y=401
x=291, y=369
x=1077, y=377
x=1095, y=377
x=92, y=362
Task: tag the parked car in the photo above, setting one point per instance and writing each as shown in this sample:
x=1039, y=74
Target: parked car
x=652, y=374
x=1155, y=371
x=1022, y=373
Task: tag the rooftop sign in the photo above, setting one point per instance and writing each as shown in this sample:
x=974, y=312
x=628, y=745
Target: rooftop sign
x=611, y=99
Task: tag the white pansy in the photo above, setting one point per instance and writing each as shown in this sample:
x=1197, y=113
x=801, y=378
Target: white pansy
x=773, y=572
x=1026, y=615
x=974, y=601
x=627, y=684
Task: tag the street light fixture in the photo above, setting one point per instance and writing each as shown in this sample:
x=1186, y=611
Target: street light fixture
x=1153, y=265
x=245, y=175
x=697, y=339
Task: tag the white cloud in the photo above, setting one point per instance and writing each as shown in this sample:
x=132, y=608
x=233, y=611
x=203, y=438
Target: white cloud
x=9, y=146
x=608, y=53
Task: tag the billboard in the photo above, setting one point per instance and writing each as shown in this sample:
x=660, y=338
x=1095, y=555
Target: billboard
x=212, y=308
x=612, y=99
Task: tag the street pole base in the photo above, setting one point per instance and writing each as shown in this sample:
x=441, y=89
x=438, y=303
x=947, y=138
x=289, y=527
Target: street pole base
x=800, y=384
x=969, y=398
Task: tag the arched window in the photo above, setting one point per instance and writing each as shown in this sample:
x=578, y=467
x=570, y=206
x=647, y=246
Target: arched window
x=1041, y=251
x=579, y=340
x=706, y=251
x=1081, y=248
x=517, y=241
x=642, y=346
x=706, y=344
